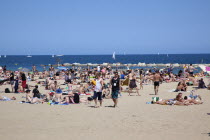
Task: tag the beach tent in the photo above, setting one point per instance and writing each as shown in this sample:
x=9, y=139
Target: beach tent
x=205, y=68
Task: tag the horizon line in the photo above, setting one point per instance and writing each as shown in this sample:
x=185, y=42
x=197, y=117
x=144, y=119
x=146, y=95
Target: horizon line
x=105, y=54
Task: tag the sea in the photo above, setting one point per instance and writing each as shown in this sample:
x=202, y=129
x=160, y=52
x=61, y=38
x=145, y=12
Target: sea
x=13, y=62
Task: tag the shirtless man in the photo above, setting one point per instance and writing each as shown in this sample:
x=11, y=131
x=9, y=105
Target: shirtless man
x=191, y=69
x=156, y=80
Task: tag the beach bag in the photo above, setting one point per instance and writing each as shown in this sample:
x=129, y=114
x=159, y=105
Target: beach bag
x=7, y=90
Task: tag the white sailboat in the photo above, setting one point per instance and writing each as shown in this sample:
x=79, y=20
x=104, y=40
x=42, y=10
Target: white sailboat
x=29, y=52
x=167, y=55
x=113, y=55
x=5, y=56
x=158, y=53
x=53, y=55
x=0, y=56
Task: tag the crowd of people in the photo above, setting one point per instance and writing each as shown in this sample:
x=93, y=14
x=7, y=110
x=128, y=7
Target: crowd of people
x=98, y=83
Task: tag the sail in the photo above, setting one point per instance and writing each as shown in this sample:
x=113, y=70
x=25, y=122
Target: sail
x=113, y=56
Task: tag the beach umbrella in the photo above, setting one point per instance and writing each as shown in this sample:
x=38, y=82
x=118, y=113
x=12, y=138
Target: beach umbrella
x=62, y=68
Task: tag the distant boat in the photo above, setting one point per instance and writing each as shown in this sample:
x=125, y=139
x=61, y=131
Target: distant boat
x=53, y=55
x=5, y=56
x=158, y=53
x=28, y=56
x=59, y=55
x=0, y=56
x=167, y=55
x=113, y=55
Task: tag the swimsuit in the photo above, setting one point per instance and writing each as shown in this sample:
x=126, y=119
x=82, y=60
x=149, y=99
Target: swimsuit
x=156, y=83
x=132, y=83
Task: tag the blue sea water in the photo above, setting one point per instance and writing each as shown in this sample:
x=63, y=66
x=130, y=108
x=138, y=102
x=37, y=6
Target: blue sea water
x=13, y=62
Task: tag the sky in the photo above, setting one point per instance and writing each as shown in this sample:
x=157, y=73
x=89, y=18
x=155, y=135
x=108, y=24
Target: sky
x=72, y=27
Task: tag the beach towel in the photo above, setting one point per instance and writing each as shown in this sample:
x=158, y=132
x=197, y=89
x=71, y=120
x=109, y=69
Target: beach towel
x=174, y=90
x=24, y=102
x=207, y=68
x=125, y=83
x=56, y=103
x=155, y=99
x=5, y=99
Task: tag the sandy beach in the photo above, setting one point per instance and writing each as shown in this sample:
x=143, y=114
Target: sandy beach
x=74, y=70
x=133, y=119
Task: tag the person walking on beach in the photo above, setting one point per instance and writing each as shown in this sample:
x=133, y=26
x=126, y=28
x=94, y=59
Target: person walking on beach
x=98, y=90
x=156, y=79
x=133, y=85
x=23, y=78
x=16, y=84
x=11, y=78
x=115, y=88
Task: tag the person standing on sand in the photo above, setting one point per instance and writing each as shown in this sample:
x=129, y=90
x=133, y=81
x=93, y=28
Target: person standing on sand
x=33, y=68
x=191, y=69
x=23, y=78
x=12, y=80
x=98, y=89
x=52, y=70
x=115, y=86
x=156, y=80
x=99, y=68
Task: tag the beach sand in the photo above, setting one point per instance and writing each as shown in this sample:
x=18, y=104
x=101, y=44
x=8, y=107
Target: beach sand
x=133, y=119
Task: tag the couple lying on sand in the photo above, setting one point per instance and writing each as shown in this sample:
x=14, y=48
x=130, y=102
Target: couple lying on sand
x=179, y=100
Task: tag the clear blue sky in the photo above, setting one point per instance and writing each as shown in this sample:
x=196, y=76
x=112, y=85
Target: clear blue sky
x=104, y=26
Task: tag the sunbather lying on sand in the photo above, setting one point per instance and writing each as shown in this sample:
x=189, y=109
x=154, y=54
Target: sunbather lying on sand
x=4, y=98
x=188, y=100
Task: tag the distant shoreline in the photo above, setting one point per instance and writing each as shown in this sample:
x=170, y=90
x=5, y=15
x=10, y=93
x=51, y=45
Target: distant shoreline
x=105, y=54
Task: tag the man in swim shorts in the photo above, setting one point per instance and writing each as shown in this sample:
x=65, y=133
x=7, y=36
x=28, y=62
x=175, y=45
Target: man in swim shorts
x=156, y=79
